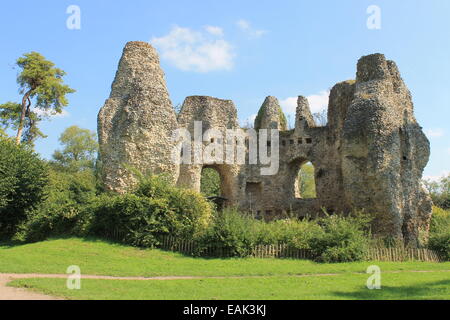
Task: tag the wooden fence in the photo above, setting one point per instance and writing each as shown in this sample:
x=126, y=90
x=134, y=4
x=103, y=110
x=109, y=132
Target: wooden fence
x=285, y=251
x=403, y=254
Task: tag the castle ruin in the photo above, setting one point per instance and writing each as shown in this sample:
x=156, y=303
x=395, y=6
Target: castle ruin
x=370, y=155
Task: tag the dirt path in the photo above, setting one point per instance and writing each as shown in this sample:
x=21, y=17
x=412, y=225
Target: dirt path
x=9, y=293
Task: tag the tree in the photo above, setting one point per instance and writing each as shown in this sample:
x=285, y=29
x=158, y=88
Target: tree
x=80, y=149
x=440, y=191
x=321, y=118
x=23, y=177
x=9, y=119
x=42, y=81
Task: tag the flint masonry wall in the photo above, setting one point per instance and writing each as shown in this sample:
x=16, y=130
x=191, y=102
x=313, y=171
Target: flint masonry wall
x=136, y=123
x=370, y=155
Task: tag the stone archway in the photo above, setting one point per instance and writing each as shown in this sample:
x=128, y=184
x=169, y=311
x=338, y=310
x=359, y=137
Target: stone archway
x=301, y=179
x=191, y=175
x=227, y=185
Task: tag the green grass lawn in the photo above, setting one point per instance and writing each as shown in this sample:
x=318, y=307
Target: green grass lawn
x=97, y=257
x=279, y=278
x=435, y=285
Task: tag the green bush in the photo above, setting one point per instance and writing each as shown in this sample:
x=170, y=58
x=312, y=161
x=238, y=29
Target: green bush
x=62, y=213
x=231, y=233
x=297, y=234
x=343, y=239
x=23, y=177
x=440, y=221
x=330, y=239
x=440, y=232
x=210, y=182
x=138, y=221
x=441, y=243
x=154, y=209
x=193, y=211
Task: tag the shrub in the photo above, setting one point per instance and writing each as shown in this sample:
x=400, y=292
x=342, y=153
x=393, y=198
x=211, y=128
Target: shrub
x=153, y=186
x=297, y=234
x=236, y=233
x=343, y=239
x=62, y=213
x=23, y=177
x=130, y=219
x=331, y=239
x=210, y=182
x=231, y=233
x=154, y=209
x=440, y=221
x=193, y=211
x=441, y=243
x=440, y=232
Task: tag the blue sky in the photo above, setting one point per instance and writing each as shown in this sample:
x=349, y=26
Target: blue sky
x=239, y=50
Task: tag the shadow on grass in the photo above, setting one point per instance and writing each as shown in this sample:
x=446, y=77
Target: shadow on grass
x=430, y=290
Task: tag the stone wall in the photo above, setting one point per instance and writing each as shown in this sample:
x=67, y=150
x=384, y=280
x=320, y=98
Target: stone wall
x=370, y=155
x=136, y=123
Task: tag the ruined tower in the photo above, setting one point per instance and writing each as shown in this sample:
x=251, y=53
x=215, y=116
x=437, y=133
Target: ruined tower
x=384, y=151
x=136, y=123
x=370, y=155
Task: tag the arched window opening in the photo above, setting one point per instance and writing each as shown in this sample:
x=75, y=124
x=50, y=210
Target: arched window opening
x=210, y=183
x=305, y=184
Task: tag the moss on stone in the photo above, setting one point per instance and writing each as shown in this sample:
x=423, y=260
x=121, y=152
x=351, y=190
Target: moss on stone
x=281, y=115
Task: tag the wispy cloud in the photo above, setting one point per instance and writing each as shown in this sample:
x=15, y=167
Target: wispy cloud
x=436, y=178
x=246, y=27
x=50, y=114
x=289, y=105
x=435, y=132
x=216, y=31
x=249, y=122
x=317, y=102
x=199, y=51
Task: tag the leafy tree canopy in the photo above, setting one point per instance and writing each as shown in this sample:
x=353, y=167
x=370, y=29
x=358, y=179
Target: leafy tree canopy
x=44, y=81
x=440, y=191
x=23, y=177
x=10, y=119
x=79, y=149
x=39, y=81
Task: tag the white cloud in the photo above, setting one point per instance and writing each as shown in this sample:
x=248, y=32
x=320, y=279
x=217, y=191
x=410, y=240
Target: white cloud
x=246, y=27
x=437, y=178
x=317, y=102
x=197, y=51
x=249, y=122
x=50, y=114
x=289, y=105
x=435, y=133
x=216, y=31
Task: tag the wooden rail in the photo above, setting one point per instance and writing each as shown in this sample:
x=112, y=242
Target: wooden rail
x=285, y=251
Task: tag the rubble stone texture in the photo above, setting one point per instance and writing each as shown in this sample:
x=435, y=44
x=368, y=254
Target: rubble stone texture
x=136, y=123
x=370, y=155
x=270, y=116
